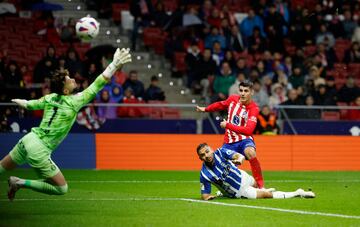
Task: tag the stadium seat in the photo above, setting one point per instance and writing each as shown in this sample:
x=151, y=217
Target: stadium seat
x=170, y=113
x=116, y=11
x=179, y=61
x=330, y=116
x=150, y=35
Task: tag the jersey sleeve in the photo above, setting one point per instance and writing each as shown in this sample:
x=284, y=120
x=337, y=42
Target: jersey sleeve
x=36, y=104
x=250, y=125
x=218, y=106
x=205, y=186
x=84, y=97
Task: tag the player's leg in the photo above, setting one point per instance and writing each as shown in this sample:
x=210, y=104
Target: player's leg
x=53, y=182
x=250, y=154
x=7, y=164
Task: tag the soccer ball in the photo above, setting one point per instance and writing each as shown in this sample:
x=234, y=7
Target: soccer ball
x=87, y=28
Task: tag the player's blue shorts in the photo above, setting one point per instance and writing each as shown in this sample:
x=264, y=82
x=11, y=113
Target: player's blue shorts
x=239, y=146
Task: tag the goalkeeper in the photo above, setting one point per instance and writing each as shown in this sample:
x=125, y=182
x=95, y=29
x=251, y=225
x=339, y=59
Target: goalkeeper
x=60, y=110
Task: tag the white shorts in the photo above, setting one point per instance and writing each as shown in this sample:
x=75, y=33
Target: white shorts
x=246, y=189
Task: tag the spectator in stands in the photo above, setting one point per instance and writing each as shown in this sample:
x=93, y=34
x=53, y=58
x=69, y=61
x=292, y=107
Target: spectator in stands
x=354, y=114
x=349, y=90
x=154, y=92
x=27, y=76
x=205, y=10
x=299, y=57
x=214, y=19
x=260, y=96
x=301, y=94
x=276, y=20
x=192, y=60
x=267, y=84
x=297, y=77
x=73, y=63
x=322, y=97
x=310, y=113
x=222, y=82
x=46, y=66
x=135, y=84
x=213, y=37
x=274, y=40
x=142, y=11
x=12, y=76
x=241, y=66
x=256, y=42
x=331, y=87
x=68, y=32
x=267, y=122
x=92, y=72
x=249, y=23
x=292, y=100
x=106, y=112
x=228, y=15
x=229, y=57
x=260, y=67
x=234, y=41
x=324, y=35
x=327, y=54
x=314, y=75
x=207, y=72
x=277, y=95
x=234, y=89
x=349, y=25
x=352, y=55
x=160, y=16
x=217, y=53
x=127, y=111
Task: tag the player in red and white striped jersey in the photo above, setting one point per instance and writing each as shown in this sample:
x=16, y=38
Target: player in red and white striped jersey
x=240, y=125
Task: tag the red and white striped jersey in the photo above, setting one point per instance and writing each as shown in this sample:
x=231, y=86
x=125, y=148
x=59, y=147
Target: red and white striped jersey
x=241, y=119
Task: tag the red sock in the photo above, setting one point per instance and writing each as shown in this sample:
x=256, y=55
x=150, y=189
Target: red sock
x=256, y=172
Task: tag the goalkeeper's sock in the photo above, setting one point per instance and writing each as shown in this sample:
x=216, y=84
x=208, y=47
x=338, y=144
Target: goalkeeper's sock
x=2, y=170
x=256, y=172
x=284, y=195
x=44, y=187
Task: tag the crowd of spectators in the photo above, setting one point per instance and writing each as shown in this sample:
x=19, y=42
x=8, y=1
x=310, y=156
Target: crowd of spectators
x=296, y=54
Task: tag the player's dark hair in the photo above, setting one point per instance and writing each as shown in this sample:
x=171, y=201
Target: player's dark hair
x=200, y=146
x=58, y=81
x=246, y=83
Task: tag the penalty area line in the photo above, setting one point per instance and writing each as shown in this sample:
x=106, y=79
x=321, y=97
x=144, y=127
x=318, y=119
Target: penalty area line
x=274, y=209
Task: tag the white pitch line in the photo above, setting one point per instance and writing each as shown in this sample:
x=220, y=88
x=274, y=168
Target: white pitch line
x=195, y=201
x=275, y=209
x=190, y=181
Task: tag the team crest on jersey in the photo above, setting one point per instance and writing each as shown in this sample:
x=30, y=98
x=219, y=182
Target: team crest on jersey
x=236, y=120
x=245, y=115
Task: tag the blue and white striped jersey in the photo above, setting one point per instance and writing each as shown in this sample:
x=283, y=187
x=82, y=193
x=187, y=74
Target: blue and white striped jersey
x=223, y=174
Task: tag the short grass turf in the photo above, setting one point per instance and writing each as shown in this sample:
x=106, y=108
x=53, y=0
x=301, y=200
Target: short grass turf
x=156, y=198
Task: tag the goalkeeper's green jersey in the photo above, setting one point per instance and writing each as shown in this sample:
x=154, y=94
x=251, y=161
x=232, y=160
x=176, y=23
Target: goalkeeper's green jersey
x=60, y=112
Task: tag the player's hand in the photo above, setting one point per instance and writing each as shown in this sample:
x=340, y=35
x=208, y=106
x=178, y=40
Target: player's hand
x=20, y=102
x=200, y=109
x=239, y=159
x=121, y=57
x=223, y=123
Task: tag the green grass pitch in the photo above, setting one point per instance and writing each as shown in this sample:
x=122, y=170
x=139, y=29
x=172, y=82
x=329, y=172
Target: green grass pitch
x=171, y=198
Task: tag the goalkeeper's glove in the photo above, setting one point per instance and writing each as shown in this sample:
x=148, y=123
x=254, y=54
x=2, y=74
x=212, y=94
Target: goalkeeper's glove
x=20, y=102
x=120, y=58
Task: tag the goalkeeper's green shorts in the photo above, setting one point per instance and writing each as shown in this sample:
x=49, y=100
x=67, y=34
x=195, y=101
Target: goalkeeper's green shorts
x=30, y=149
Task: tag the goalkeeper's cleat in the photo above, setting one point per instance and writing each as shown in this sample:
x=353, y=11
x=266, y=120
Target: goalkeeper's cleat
x=13, y=187
x=305, y=194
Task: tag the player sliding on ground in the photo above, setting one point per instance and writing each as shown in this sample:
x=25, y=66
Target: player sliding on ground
x=60, y=110
x=219, y=168
x=240, y=125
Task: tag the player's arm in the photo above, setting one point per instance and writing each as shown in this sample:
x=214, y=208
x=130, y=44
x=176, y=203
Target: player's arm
x=35, y=104
x=120, y=58
x=245, y=130
x=238, y=159
x=205, y=189
x=216, y=106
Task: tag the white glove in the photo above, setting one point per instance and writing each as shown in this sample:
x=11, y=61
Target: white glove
x=120, y=58
x=20, y=102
